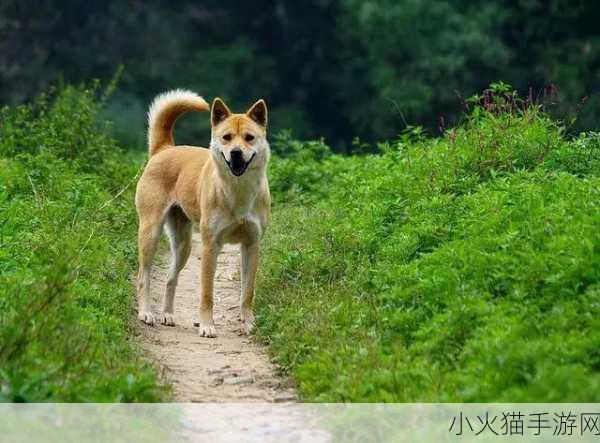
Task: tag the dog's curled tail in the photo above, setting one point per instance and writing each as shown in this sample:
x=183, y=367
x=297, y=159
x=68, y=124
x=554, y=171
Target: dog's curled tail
x=163, y=112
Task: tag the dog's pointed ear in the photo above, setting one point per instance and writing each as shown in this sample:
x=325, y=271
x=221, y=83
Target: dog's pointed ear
x=219, y=111
x=258, y=113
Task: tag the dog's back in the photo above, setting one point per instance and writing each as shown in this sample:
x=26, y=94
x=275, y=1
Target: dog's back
x=172, y=175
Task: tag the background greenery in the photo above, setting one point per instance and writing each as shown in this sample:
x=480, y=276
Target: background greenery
x=67, y=254
x=453, y=269
x=333, y=68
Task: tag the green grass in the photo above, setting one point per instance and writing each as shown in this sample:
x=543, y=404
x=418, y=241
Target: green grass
x=459, y=268
x=67, y=253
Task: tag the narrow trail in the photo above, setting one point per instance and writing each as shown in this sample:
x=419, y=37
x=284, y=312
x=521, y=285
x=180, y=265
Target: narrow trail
x=232, y=367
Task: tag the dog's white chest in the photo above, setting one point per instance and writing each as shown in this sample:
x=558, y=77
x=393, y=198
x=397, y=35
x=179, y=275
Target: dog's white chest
x=237, y=228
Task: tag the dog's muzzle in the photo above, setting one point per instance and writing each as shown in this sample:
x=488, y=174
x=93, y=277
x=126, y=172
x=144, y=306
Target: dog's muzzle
x=237, y=164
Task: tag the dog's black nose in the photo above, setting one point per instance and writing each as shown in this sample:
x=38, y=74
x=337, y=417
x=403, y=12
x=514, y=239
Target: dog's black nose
x=236, y=154
x=236, y=162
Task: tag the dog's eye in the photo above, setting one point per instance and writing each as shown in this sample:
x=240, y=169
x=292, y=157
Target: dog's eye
x=227, y=137
x=249, y=137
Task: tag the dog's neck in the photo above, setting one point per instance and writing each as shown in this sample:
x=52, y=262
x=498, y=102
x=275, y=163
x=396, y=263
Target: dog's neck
x=239, y=193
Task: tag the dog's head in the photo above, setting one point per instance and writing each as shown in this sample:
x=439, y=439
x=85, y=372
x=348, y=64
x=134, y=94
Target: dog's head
x=239, y=141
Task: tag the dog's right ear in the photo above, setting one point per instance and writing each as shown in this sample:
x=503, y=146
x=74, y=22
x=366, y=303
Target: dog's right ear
x=218, y=112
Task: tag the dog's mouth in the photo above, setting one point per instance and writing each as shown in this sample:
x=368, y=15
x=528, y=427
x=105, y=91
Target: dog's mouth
x=237, y=165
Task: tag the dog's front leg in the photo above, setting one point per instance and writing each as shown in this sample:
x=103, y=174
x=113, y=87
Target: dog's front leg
x=249, y=268
x=210, y=251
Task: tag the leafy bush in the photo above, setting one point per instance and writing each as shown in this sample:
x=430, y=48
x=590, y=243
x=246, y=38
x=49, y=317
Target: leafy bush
x=464, y=268
x=67, y=237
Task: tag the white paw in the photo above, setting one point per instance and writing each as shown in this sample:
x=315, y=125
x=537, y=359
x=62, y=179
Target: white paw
x=248, y=326
x=207, y=330
x=167, y=319
x=147, y=317
x=247, y=318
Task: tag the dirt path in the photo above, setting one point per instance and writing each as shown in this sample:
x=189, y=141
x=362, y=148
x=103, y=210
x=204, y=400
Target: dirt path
x=229, y=368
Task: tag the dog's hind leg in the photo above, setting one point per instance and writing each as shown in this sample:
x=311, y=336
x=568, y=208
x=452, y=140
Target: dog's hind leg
x=148, y=236
x=179, y=230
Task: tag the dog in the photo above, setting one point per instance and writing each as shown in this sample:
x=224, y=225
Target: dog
x=222, y=190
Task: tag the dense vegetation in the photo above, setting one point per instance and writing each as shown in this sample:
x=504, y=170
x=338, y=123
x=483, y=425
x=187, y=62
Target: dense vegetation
x=459, y=268
x=332, y=68
x=67, y=252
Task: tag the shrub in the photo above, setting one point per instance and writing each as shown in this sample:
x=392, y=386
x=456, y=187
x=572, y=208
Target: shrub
x=463, y=268
x=66, y=256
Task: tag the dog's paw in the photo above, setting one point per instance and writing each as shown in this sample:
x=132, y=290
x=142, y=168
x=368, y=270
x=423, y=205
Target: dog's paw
x=248, y=326
x=207, y=330
x=167, y=319
x=247, y=318
x=147, y=317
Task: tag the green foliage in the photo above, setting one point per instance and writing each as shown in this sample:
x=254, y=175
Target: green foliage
x=66, y=256
x=464, y=268
x=298, y=166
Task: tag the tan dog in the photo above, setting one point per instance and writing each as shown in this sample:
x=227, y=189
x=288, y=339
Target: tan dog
x=223, y=190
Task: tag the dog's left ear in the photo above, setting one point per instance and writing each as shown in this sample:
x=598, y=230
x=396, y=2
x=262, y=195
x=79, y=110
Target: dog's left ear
x=258, y=113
